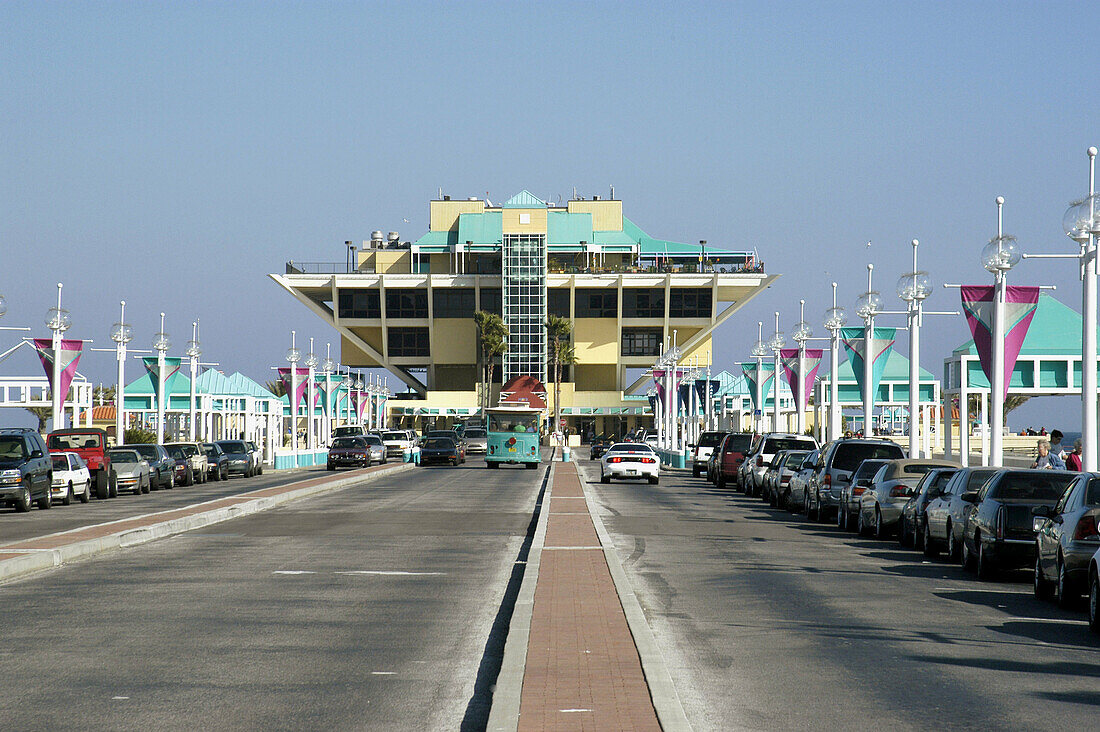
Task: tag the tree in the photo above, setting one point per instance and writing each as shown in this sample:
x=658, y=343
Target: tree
x=276, y=387
x=103, y=394
x=557, y=334
x=43, y=414
x=493, y=336
x=138, y=436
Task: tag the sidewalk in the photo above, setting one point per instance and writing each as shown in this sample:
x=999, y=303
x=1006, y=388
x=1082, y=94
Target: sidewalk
x=35, y=554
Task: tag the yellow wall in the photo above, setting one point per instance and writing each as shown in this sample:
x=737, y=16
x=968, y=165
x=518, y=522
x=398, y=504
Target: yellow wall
x=393, y=262
x=444, y=214
x=595, y=340
x=598, y=377
x=456, y=378
x=350, y=354
x=511, y=225
x=440, y=263
x=606, y=215
x=454, y=340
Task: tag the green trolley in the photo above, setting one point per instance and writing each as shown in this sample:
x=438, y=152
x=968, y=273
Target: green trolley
x=513, y=436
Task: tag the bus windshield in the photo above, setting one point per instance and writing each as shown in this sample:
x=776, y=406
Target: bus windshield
x=513, y=423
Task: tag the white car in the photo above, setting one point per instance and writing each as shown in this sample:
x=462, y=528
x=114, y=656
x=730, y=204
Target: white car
x=630, y=460
x=70, y=478
x=397, y=443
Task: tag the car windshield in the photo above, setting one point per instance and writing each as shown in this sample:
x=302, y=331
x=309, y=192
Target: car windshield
x=439, y=443
x=124, y=456
x=710, y=439
x=211, y=450
x=475, y=432
x=60, y=462
x=372, y=440
x=629, y=447
x=343, y=431
x=346, y=442
x=394, y=436
x=739, y=443
x=11, y=448
x=146, y=451
x=1047, y=487
x=513, y=423
x=177, y=453
x=939, y=480
x=233, y=447
x=849, y=455
x=794, y=458
x=868, y=468
x=73, y=442
x=774, y=444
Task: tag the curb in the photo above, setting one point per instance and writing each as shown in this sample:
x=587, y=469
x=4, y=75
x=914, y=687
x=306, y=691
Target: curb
x=38, y=560
x=504, y=710
x=666, y=702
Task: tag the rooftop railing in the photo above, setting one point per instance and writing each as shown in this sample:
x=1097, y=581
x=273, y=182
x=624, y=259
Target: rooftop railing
x=293, y=267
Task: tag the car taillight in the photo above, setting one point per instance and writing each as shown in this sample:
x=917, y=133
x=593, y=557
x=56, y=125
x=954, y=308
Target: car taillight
x=858, y=490
x=784, y=479
x=647, y=460
x=1086, y=529
x=615, y=460
x=827, y=481
x=759, y=461
x=1000, y=523
x=899, y=491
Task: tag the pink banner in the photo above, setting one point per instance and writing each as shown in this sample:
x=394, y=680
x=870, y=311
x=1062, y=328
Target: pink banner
x=1020, y=303
x=303, y=376
x=811, y=361
x=70, y=357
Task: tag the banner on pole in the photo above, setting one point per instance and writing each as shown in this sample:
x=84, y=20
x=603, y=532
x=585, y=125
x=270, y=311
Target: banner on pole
x=70, y=357
x=303, y=376
x=748, y=368
x=882, y=343
x=1020, y=304
x=171, y=371
x=800, y=388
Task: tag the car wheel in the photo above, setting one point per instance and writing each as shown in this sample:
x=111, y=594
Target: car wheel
x=225, y=473
x=68, y=499
x=330, y=466
x=492, y=464
x=1065, y=593
x=454, y=462
x=841, y=517
x=721, y=482
x=903, y=531
x=1094, y=601
x=112, y=487
x=654, y=480
x=1040, y=585
x=101, y=485
x=811, y=510
x=148, y=485
x=694, y=472
x=23, y=498
x=87, y=492
x=880, y=530
x=969, y=561
x=986, y=570
x=188, y=478
x=605, y=478
x=954, y=551
x=930, y=549
x=171, y=481
x=861, y=525
x=47, y=501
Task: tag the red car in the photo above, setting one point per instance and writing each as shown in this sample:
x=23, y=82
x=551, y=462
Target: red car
x=732, y=453
x=91, y=445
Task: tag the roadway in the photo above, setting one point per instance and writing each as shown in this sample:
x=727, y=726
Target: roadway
x=770, y=622
x=373, y=607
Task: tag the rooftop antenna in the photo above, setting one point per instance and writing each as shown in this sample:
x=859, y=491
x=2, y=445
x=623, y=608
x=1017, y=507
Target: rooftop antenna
x=441, y=193
x=574, y=194
x=612, y=192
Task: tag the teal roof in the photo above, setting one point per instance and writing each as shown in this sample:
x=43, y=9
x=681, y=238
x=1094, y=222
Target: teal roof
x=568, y=229
x=438, y=239
x=524, y=199
x=481, y=228
x=896, y=371
x=241, y=384
x=143, y=385
x=1055, y=330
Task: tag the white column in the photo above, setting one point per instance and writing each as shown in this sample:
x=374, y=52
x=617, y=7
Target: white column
x=985, y=429
x=311, y=432
x=964, y=428
x=161, y=396
x=120, y=396
x=1088, y=340
x=868, y=367
x=55, y=382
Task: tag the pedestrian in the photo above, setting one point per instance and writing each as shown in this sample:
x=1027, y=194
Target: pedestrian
x=1047, y=460
x=1056, y=444
x=1073, y=460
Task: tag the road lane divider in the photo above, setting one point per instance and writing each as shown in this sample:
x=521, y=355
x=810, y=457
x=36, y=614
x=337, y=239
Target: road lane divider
x=37, y=554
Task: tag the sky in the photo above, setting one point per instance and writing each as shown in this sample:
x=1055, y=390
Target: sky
x=174, y=154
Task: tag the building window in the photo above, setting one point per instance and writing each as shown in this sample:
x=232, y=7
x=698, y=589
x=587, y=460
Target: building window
x=406, y=303
x=689, y=302
x=557, y=301
x=644, y=303
x=453, y=302
x=491, y=300
x=359, y=304
x=407, y=341
x=597, y=303
x=642, y=341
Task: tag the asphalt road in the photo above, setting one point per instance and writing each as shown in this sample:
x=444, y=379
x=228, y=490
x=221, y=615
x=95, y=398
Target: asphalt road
x=16, y=526
x=374, y=607
x=769, y=622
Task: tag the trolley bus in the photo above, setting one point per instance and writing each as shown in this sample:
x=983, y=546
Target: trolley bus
x=513, y=436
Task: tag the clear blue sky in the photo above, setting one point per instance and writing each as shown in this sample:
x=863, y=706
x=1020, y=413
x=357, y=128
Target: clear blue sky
x=173, y=154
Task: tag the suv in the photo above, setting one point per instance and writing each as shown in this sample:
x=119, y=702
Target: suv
x=761, y=457
x=162, y=468
x=26, y=469
x=354, y=430
x=707, y=442
x=91, y=445
x=836, y=463
x=191, y=456
x=731, y=454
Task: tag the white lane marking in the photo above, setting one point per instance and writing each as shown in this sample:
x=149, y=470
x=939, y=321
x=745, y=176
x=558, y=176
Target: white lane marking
x=293, y=571
x=393, y=573
x=1067, y=621
x=964, y=588
x=574, y=710
x=113, y=698
x=382, y=673
x=569, y=548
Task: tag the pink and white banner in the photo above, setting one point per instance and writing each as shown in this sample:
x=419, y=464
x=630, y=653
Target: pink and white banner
x=171, y=370
x=1020, y=304
x=303, y=381
x=810, y=362
x=70, y=357
x=362, y=399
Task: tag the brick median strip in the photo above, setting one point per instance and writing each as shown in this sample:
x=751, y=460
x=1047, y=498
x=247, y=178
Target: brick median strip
x=28, y=556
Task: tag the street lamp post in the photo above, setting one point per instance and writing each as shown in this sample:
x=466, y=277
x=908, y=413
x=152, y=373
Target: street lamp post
x=802, y=332
x=161, y=344
x=913, y=288
x=194, y=350
x=835, y=319
x=293, y=356
x=776, y=344
x=311, y=432
x=328, y=365
x=58, y=321
x=867, y=306
x=999, y=256
x=759, y=350
x=121, y=334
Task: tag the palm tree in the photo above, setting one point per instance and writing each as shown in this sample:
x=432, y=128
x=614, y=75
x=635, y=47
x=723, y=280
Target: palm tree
x=493, y=336
x=276, y=387
x=557, y=334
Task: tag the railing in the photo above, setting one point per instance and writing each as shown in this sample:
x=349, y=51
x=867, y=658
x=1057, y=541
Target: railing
x=293, y=267
x=757, y=268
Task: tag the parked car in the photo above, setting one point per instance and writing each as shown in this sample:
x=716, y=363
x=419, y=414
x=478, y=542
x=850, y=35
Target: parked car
x=26, y=469
x=241, y=460
x=352, y=430
x=397, y=442
x=847, y=510
x=1094, y=592
x=795, y=495
x=731, y=457
x=946, y=514
x=436, y=450
x=911, y=523
x=630, y=460
x=91, y=445
x=133, y=470
x=193, y=458
x=70, y=478
x=162, y=466
x=217, y=460
x=1066, y=537
x=836, y=463
x=701, y=451
x=477, y=440
x=377, y=447
x=349, y=452
x=257, y=457
x=761, y=457
x=778, y=477
x=599, y=446
x=891, y=488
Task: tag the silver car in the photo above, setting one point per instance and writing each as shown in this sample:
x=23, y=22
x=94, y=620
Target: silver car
x=891, y=488
x=800, y=482
x=477, y=440
x=838, y=460
x=377, y=448
x=1067, y=537
x=132, y=470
